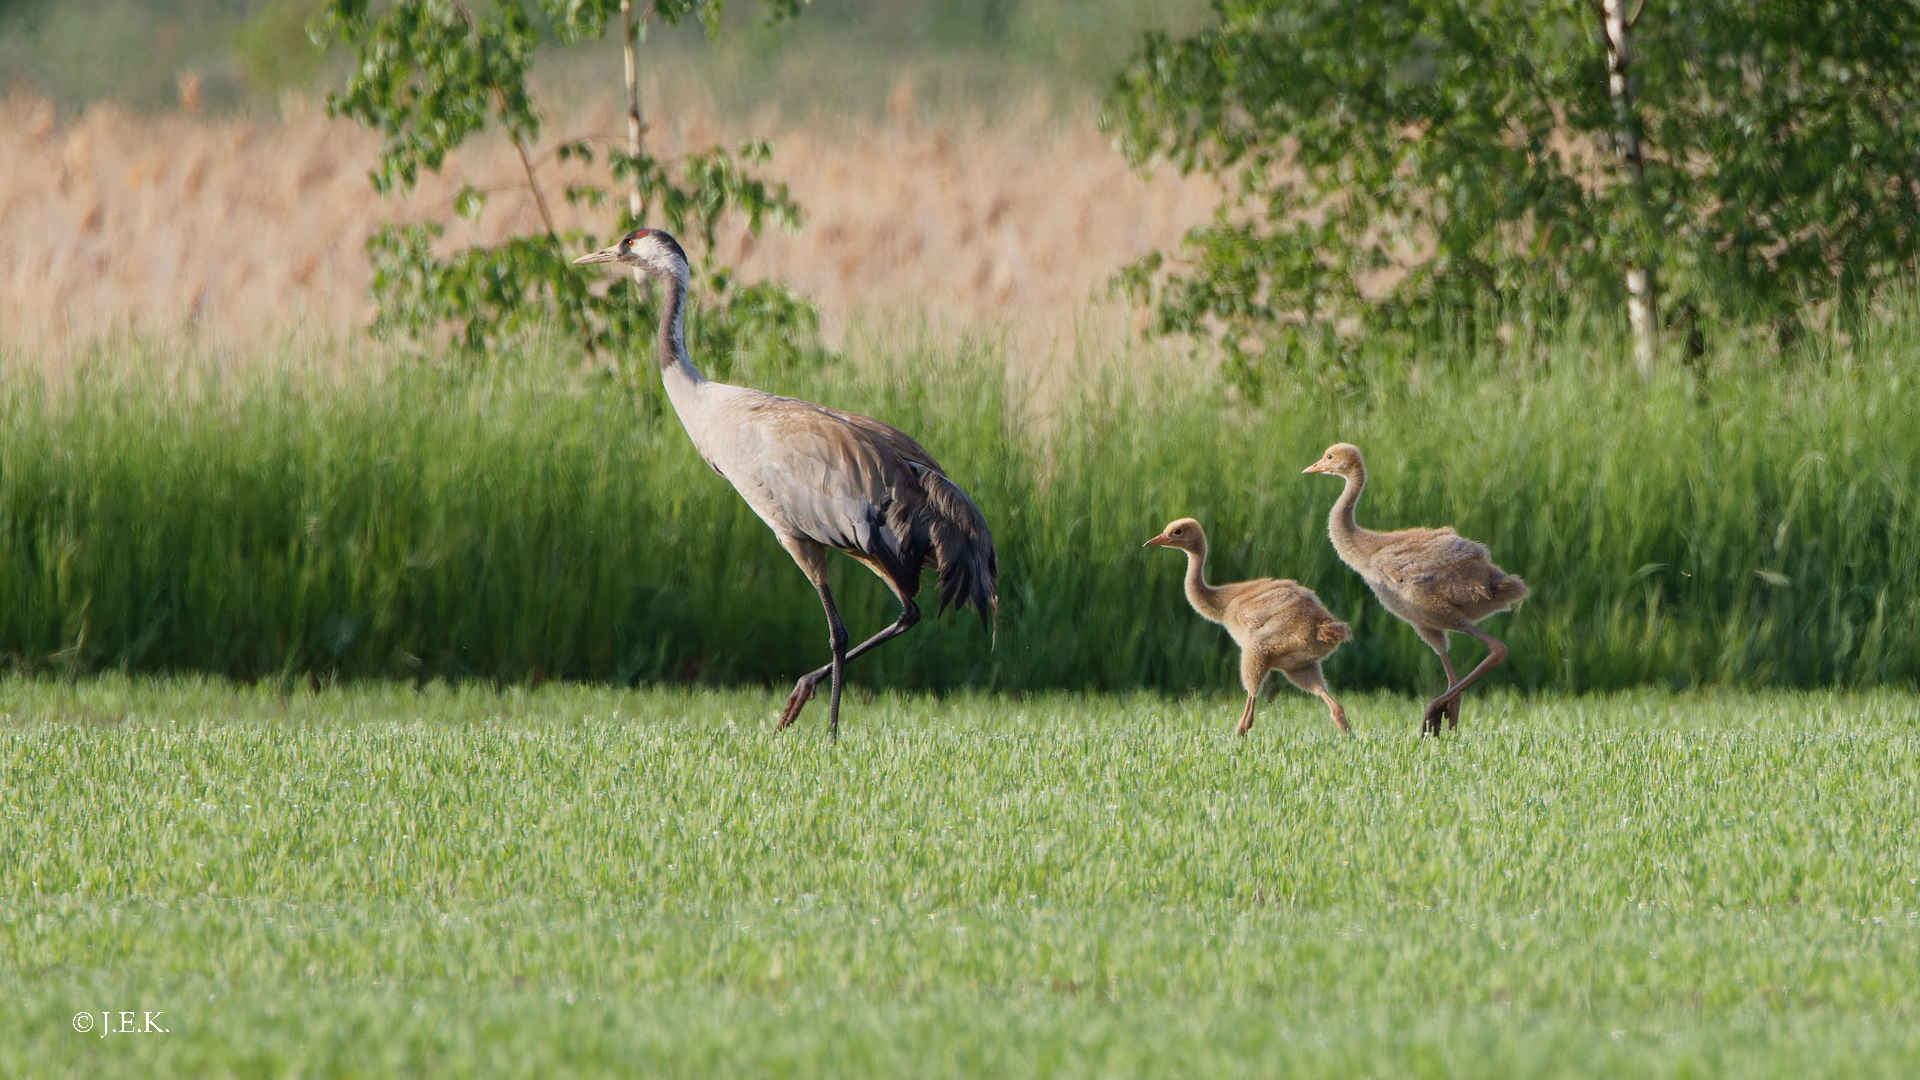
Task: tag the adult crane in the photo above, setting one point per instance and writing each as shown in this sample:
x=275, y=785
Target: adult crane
x=821, y=478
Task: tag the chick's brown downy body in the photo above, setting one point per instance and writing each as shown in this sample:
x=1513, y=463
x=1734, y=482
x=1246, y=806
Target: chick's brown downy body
x=1279, y=624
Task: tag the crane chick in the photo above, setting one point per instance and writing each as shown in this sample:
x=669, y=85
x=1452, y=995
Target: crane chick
x=1278, y=624
x=1437, y=580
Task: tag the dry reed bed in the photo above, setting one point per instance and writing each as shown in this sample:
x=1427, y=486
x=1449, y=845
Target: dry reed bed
x=241, y=228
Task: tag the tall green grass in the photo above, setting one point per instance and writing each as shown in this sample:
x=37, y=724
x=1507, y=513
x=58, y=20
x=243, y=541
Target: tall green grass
x=524, y=522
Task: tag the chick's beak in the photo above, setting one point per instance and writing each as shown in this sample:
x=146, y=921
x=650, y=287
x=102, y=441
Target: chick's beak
x=605, y=255
x=1318, y=466
x=1158, y=541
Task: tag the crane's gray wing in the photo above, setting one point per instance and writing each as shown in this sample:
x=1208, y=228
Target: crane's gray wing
x=837, y=479
x=850, y=482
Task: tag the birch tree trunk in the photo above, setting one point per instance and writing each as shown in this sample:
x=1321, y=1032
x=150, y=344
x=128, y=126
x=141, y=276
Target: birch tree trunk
x=630, y=29
x=1643, y=305
x=630, y=35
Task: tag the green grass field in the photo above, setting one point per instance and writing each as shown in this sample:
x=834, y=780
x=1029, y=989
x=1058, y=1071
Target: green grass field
x=376, y=880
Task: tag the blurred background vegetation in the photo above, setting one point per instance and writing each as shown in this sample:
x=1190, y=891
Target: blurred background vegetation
x=1743, y=513
x=841, y=57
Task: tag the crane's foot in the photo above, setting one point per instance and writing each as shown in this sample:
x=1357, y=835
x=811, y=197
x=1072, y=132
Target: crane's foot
x=802, y=693
x=1437, y=711
x=1335, y=710
x=1453, y=713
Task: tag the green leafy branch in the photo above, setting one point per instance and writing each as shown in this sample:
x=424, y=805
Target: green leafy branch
x=431, y=74
x=1434, y=163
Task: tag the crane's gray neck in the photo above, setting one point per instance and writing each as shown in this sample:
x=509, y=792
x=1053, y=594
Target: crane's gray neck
x=673, y=328
x=1353, y=544
x=1204, y=597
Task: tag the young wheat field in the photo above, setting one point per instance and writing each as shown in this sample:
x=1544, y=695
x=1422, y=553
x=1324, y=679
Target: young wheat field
x=459, y=881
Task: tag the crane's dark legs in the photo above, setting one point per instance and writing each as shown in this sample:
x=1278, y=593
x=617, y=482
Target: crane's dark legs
x=839, y=639
x=1450, y=700
x=909, y=614
x=1437, y=640
x=803, y=690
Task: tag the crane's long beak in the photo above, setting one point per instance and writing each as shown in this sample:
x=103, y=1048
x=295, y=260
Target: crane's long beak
x=604, y=255
x=1158, y=541
x=1318, y=466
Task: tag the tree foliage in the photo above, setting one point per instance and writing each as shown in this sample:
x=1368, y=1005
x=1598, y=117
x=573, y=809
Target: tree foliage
x=1398, y=164
x=433, y=73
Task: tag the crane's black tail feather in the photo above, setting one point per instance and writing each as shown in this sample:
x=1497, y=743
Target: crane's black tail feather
x=969, y=568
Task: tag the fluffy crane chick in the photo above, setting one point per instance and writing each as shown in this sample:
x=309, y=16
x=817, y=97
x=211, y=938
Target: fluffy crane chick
x=1435, y=579
x=1278, y=624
